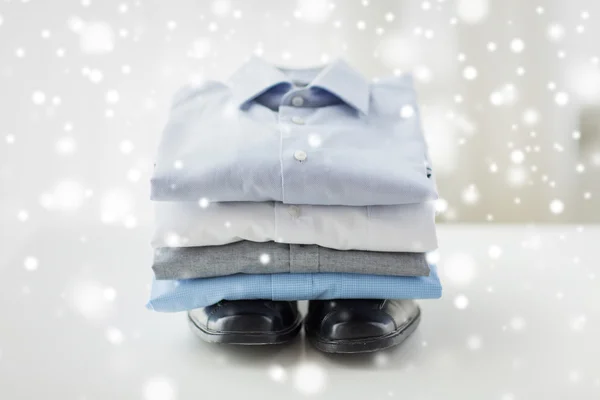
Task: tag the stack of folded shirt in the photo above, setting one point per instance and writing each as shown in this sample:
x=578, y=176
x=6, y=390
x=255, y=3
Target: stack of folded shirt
x=293, y=184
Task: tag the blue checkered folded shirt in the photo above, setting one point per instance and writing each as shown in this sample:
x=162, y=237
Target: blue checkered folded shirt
x=173, y=295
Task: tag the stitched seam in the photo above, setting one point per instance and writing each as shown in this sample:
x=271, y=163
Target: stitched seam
x=272, y=293
x=276, y=233
x=281, y=155
x=290, y=259
x=318, y=259
x=219, y=305
x=368, y=229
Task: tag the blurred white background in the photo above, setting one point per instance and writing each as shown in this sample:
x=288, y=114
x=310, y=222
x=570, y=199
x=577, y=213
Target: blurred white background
x=510, y=92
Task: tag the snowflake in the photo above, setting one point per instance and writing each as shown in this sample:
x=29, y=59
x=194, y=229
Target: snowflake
x=200, y=48
x=578, y=323
x=65, y=145
x=494, y=252
x=88, y=298
x=561, y=98
x=472, y=11
x=110, y=294
x=129, y=222
x=116, y=204
x=31, y=263
x=38, y=97
x=517, y=45
x=504, y=96
x=459, y=268
x=469, y=73
x=265, y=258
x=531, y=117
x=314, y=140
x=159, y=388
x=112, y=96
x=470, y=195
x=114, y=336
x=516, y=176
x=574, y=376
x=556, y=32
x=310, y=378
x=556, y=206
x=22, y=215
x=134, y=175
x=277, y=373
x=441, y=205
x=314, y=11
x=474, y=342
x=517, y=323
x=433, y=257
x=517, y=156
x=203, y=202
x=423, y=73
x=461, y=302
x=96, y=38
x=67, y=195
x=407, y=111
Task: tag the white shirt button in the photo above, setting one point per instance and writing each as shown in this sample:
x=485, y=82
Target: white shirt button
x=298, y=120
x=297, y=101
x=300, y=155
x=294, y=211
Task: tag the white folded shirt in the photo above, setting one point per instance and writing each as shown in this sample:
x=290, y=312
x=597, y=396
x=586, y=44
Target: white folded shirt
x=407, y=227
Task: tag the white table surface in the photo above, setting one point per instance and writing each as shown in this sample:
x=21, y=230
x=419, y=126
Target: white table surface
x=76, y=328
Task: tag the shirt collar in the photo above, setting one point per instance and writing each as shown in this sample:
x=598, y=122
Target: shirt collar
x=257, y=76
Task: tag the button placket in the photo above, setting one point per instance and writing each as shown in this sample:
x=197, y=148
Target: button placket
x=293, y=150
x=300, y=155
x=297, y=101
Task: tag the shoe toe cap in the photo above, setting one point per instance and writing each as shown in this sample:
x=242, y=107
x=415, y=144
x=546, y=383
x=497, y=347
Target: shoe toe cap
x=250, y=317
x=348, y=325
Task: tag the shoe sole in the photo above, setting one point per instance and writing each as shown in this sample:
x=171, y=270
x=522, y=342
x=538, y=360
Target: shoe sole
x=250, y=338
x=366, y=345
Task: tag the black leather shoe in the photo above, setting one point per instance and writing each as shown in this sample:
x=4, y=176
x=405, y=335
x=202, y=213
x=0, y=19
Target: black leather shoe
x=360, y=326
x=247, y=322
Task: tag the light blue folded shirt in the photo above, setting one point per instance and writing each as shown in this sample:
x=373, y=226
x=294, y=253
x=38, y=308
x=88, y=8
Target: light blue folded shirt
x=318, y=136
x=182, y=295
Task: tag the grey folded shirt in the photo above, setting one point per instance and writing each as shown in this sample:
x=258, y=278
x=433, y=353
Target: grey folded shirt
x=272, y=258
